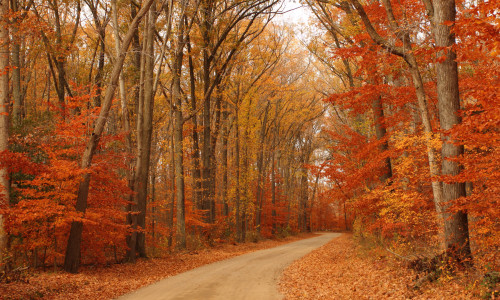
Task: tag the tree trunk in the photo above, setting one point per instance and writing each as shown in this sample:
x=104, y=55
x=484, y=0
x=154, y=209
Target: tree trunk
x=380, y=133
x=17, y=106
x=237, y=166
x=197, y=192
x=4, y=117
x=273, y=193
x=260, y=170
x=225, y=170
x=456, y=229
x=145, y=129
x=136, y=82
x=72, y=257
x=171, y=204
x=213, y=146
x=303, y=198
x=100, y=66
x=178, y=138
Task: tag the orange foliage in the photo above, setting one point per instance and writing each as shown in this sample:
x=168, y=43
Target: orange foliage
x=46, y=181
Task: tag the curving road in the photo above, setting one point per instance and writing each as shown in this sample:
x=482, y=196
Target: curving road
x=249, y=276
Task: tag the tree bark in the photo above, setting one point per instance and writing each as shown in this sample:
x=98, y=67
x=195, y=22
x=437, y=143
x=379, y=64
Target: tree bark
x=260, y=170
x=17, y=107
x=273, y=193
x=224, y=158
x=456, y=229
x=237, y=166
x=197, y=189
x=178, y=137
x=4, y=117
x=380, y=133
x=145, y=130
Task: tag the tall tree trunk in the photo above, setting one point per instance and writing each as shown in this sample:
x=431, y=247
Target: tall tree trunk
x=72, y=257
x=206, y=12
x=145, y=130
x=225, y=170
x=122, y=90
x=303, y=198
x=178, y=138
x=237, y=166
x=17, y=107
x=213, y=143
x=205, y=153
x=100, y=66
x=456, y=229
x=197, y=187
x=260, y=170
x=131, y=239
x=171, y=204
x=4, y=117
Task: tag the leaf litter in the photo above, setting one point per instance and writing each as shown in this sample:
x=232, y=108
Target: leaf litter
x=342, y=269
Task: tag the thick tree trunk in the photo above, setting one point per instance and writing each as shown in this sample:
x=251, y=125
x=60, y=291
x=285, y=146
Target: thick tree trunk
x=131, y=239
x=456, y=229
x=380, y=133
x=145, y=132
x=4, y=117
x=72, y=257
x=206, y=114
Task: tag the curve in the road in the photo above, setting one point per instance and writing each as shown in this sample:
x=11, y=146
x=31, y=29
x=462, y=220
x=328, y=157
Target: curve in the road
x=249, y=276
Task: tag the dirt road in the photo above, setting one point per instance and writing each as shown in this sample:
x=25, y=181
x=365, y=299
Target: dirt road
x=250, y=276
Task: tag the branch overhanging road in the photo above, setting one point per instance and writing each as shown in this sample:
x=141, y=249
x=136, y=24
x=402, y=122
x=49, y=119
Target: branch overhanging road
x=249, y=276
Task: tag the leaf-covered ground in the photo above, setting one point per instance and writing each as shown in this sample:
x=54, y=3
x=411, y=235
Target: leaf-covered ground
x=341, y=269
x=115, y=280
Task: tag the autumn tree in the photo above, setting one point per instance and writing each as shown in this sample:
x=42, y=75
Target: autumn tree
x=4, y=116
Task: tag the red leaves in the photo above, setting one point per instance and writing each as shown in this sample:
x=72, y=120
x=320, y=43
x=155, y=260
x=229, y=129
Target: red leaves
x=343, y=270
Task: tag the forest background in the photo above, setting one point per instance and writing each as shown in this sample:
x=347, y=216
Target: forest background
x=132, y=128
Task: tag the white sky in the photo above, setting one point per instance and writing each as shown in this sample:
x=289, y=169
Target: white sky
x=296, y=13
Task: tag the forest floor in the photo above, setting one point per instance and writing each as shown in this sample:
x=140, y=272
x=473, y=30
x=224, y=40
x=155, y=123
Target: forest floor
x=343, y=269
x=101, y=282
